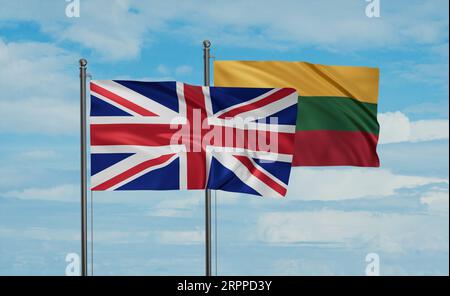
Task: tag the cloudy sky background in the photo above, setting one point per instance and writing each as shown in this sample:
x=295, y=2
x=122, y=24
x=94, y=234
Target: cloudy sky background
x=332, y=216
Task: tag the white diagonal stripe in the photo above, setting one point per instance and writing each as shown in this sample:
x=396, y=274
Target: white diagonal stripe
x=268, y=93
x=183, y=170
x=208, y=101
x=137, y=98
x=245, y=175
x=143, y=172
x=117, y=168
x=152, y=151
x=182, y=107
x=251, y=125
x=271, y=108
x=117, y=105
x=266, y=156
x=136, y=120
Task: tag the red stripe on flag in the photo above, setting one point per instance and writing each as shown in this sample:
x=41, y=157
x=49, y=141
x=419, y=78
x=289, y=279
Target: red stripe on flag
x=132, y=171
x=335, y=148
x=131, y=134
x=196, y=160
x=275, y=142
x=196, y=170
x=261, y=175
x=121, y=101
x=278, y=95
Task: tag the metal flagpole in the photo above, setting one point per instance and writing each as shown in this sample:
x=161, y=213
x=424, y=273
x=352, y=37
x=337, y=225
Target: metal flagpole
x=83, y=64
x=206, y=58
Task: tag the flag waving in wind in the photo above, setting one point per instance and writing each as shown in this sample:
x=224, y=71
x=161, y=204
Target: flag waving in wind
x=337, y=107
x=171, y=135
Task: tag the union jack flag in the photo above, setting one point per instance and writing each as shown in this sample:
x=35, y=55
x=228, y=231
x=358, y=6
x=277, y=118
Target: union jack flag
x=172, y=135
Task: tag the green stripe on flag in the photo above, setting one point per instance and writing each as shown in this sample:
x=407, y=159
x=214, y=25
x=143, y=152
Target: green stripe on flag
x=336, y=113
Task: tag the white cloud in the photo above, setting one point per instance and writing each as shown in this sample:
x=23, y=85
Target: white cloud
x=187, y=237
x=428, y=130
x=164, y=200
x=304, y=265
x=36, y=69
x=183, y=70
x=250, y=24
x=37, y=154
x=341, y=184
x=434, y=109
x=396, y=127
x=434, y=74
x=39, y=115
x=146, y=78
x=176, y=206
x=437, y=201
x=130, y=24
x=39, y=233
x=163, y=70
x=188, y=203
x=351, y=183
x=117, y=34
x=12, y=177
x=65, y=192
x=57, y=234
x=383, y=232
x=39, y=94
x=181, y=237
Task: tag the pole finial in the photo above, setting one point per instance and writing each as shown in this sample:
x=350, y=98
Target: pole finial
x=206, y=43
x=83, y=62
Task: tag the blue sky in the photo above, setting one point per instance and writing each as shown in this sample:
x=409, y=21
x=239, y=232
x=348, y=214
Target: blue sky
x=332, y=216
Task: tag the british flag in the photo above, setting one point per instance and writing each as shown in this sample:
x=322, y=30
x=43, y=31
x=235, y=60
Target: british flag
x=172, y=135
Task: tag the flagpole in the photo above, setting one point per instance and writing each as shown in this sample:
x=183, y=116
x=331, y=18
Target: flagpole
x=206, y=58
x=83, y=64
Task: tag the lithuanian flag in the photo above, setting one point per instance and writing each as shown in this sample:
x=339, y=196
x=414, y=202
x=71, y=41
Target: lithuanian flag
x=337, y=107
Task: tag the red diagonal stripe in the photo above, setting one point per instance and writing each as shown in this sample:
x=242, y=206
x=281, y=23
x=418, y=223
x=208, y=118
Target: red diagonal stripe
x=121, y=101
x=278, y=95
x=261, y=175
x=133, y=171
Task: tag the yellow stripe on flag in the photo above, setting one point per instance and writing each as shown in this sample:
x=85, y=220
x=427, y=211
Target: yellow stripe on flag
x=359, y=83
